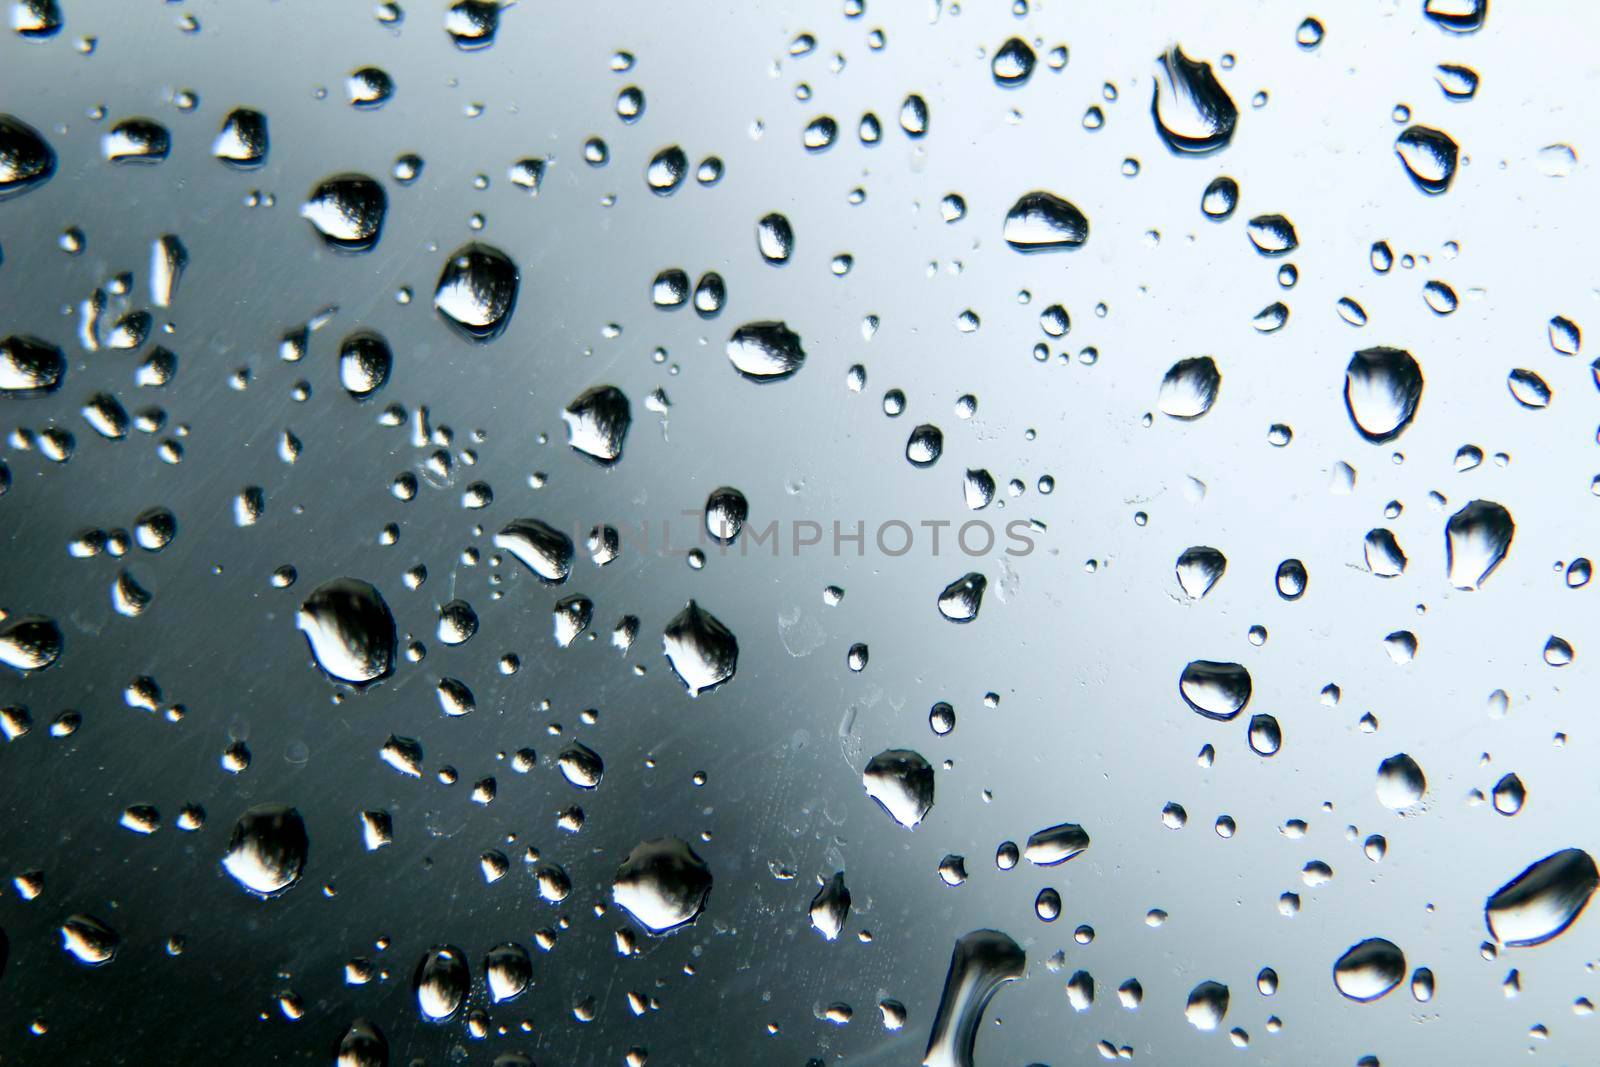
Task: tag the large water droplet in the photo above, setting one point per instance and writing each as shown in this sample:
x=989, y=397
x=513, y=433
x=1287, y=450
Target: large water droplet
x=1400, y=782
x=1043, y=222
x=350, y=630
x=1429, y=157
x=508, y=971
x=961, y=600
x=268, y=849
x=242, y=142
x=1012, y=64
x=1476, y=539
x=666, y=170
x=1207, y=1005
x=901, y=781
x=1543, y=900
x=347, y=210
x=1382, y=387
x=1528, y=389
x=662, y=884
x=540, y=547
x=703, y=652
x=597, y=423
x=364, y=363
x=136, y=141
x=1198, y=569
x=26, y=160
x=1193, y=113
x=442, y=982
x=363, y=1045
x=30, y=366
x=1189, y=388
x=1220, y=199
x=471, y=24
x=1273, y=235
x=1056, y=844
x=775, y=239
x=765, y=351
x=36, y=20
x=981, y=962
x=477, y=291
x=88, y=940
x=1369, y=969
x=1216, y=690
x=1383, y=554
x=725, y=514
x=29, y=642
x=830, y=907
x=1457, y=16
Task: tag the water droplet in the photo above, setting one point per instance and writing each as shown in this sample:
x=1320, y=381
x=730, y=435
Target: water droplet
x=765, y=351
x=1543, y=900
x=962, y=598
x=442, y=982
x=1056, y=844
x=1291, y=579
x=1012, y=64
x=30, y=366
x=1383, y=554
x=1265, y=735
x=363, y=1045
x=703, y=653
x=1528, y=389
x=666, y=170
x=364, y=364
x=347, y=210
x=1198, y=569
x=1476, y=539
x=267, y=850
x=725, y=514
x=36, y=20
x=819, y=134
x=1457, y=16
x=914, y=116
x=508, y=971
x=710, y=293
x=1043, y=222
x=597, y=423
x=1189, y=388
x=539, y=546
x=30, y=642
x=1509, y=795
x=901, y=781
x=1216, y=690
x=830, y=907
x=1429, y=157
x=1558, y=651
x=26, y=160
x=662, y=884
x=1207, y=1005
x=350, y=630
x=368, y=88
x=1193, y=113
x=1369, y=969
x=1220, y=199
x=775, y=239
x=925, y=445
x=1309, y=34
x=88, y=940
x=471, y=24
x=1382, y=387
x=1273, y=235
x=136, y=141
x=242, y=142
x=477, y=291
x=981, y=962
x=1400, y=782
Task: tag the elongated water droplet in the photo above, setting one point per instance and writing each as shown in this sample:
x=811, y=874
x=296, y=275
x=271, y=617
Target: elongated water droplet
x=88, y=940
x=765, y=351
x=830, y=907
x=1056, y=844
x=30, y=366
x=1528, y=389
x=477, y=291
x=1043, y=222
x=981, y=962
x=1382, y=387
x=901, y=781
x=1543, y=900
x=136, y=141
x=350, y=630
x=1457, y=16
x=540, y=547
x=662, y=884
x=1457, y=82
x=775, y=239
x=1273, y=235
x=1193, y=113
x=1476, y=539
x=441, y=983
x=30, y=642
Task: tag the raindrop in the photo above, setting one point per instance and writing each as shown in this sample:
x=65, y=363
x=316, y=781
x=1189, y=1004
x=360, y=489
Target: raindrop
x=820, y=134
x=1457, y=16
x=347, y=211
x=830, y=907
x=1309, y=34
x=703, y=653
x=1383, y=554
x=30, y=366
x=1476, y=539
x=1193, y=113
x=1400, y=782
x=36, y=20
x=1056, y=844
x=1043, y=222
x=88, y=940
x=368, y=88
x=1216, y=690
x=134, y=141
x=1266, y=736
x=1543, y=900
x=662, y=884
x=471, y=24
x=1457, y=82
x=1369, y=969
x=363, y=1045
x=1429, y=157
x=539, y=546
x=1565, y=337
x=477, y=291
x=1291, y=579
x=925, y=445
x=765, y=351
x=1382, y=387
x=267, y=850
x=26, y=160
x=1528, y=389
x=710, y=293
x=364, y=364
x=242, y=142
x=901, y=782
x=961, y=599
x=666, y=170
x=597, y=423
x=350, y=630
x=29, y=642
x=725, y=514
x=1207, y=1006
x=1012, y=64
x=981, y=962
x=1220, y=199
x=1189, y=388
x=775, y=239
x=914, y=116
x=1198, y=569
x=442, y=982
x=1273, y=235
x=1509, y=795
